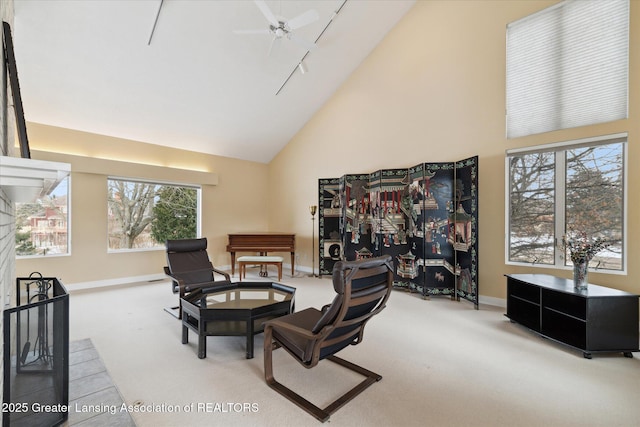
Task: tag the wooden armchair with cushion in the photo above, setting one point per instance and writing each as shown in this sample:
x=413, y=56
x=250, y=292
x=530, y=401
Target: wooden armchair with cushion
x=189, y=266
x=362, y=290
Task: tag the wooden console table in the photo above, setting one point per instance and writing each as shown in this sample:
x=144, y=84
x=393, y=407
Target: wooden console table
x=597, y=319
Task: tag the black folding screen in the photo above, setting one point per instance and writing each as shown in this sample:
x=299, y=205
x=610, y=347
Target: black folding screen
x=425, y=217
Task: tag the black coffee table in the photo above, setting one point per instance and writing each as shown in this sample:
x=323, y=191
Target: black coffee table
x=237, y=309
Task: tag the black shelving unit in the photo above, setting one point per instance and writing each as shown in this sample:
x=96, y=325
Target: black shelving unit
x=598, y=319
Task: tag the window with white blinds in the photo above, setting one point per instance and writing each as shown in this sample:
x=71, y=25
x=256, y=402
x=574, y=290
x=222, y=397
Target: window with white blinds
x=567, y=66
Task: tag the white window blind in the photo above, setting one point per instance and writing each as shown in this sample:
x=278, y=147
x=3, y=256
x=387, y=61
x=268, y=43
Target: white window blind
x=567, y=66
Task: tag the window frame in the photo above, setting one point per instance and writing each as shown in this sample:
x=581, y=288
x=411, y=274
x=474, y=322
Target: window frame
x=159, y=247
x=560, y=193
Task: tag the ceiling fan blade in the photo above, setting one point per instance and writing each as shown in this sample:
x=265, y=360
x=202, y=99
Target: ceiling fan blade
x=274, y=46
x=267, y=12
x=302, y=42
x=303, y=19
x=252, y=31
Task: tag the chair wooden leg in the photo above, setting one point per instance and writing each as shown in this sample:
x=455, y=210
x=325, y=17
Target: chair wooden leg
x=303, y=403
x=319, y=413
x=370, y=378
x=174, y=311
x=268, y=354
x=180, y=296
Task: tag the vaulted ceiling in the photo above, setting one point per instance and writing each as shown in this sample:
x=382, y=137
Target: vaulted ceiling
x=177, y=73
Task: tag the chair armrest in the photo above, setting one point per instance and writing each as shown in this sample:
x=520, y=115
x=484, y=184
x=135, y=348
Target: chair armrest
x=178, y=282
x=289, y=327
x=222, y=273
x=182, y=284
x=285, y=323
x=216, y=284
x=173, y=276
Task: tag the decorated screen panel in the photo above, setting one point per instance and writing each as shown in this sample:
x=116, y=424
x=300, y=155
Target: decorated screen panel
x=425, y=217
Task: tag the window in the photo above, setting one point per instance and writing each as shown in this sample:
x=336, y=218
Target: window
x=42, y=227
x=143, y=214
x=560, y=188
x=567, y=66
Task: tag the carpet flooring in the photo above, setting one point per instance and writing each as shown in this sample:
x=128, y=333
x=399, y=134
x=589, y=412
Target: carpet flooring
x=443, y=364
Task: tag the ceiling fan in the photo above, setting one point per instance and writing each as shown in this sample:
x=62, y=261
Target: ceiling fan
x=280, y=27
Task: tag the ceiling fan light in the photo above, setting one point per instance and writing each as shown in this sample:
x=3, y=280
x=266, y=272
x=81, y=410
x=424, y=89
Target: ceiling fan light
x=302, y=67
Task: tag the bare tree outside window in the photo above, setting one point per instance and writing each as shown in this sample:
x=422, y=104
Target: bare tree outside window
x=594, y=199
x=142, y=215
x=532, y=208
x=588, y=197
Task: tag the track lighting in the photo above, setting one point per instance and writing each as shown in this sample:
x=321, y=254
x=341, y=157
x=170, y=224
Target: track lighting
x=301, y=66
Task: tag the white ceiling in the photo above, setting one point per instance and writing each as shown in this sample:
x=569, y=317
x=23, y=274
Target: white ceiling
x=87, y=65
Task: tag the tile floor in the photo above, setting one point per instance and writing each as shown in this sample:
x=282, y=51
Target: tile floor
x=93, y=398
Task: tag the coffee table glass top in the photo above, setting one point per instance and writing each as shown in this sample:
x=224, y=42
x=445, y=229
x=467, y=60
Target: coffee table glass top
x=236, y=309
x=246, y=298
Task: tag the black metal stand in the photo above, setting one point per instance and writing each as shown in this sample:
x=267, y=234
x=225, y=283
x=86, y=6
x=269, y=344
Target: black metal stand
x=313, y=209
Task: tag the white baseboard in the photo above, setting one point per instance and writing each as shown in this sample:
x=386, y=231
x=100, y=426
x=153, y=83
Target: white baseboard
x=81, y=286
x=498, y=302
x=120, y=281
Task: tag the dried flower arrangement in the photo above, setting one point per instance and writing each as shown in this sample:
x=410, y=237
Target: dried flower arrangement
x=583, y=248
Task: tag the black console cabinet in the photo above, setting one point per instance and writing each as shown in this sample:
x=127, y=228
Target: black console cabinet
x=597, y=319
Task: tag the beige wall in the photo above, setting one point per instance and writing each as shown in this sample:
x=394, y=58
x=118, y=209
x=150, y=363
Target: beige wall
x=235, y=204
x=434, y=90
